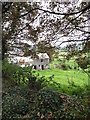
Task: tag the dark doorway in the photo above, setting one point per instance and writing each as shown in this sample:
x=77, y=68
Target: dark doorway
x=41, y=60
x=42, y=67
x=35, y=67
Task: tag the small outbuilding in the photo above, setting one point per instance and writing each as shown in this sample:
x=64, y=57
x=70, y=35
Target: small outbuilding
x=41, y=62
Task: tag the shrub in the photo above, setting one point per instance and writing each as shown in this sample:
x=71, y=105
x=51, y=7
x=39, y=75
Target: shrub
x=14, y=106
x=51, y=105
x=56, y=106
x=47, y=102
x=63, y=66
x=21, y=75
x=8, y=70
x=27, y=76
x=83, y=62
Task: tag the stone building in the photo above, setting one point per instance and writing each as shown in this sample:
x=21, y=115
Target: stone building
x=39, y=62
x=42, y=62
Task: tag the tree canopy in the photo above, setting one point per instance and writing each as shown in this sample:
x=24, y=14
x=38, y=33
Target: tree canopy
x=54, y=22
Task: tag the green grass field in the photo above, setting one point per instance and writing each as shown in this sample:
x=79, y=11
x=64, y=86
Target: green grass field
x=79, y=78
x=62, y=76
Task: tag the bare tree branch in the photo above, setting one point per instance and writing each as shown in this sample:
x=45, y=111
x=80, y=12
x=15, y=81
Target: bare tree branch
x=52, y=12
x=77, y=28
x=73, y=41
x=20, y=30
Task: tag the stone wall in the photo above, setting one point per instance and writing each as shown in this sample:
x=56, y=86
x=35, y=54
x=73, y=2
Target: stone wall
x=41, y=64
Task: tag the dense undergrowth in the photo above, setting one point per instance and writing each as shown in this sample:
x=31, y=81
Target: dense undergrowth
x=26, y=95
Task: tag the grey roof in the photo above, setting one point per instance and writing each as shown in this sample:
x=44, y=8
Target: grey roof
x=43, y=55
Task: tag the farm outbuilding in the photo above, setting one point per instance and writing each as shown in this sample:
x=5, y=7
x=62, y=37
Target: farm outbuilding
x=39, y=62
x=42, y=62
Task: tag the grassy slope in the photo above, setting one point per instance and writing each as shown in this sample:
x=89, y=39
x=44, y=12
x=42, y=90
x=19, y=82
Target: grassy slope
x=63, y=76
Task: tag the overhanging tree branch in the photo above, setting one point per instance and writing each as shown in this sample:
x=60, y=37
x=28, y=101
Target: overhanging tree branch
x=73, y=41
x=52, y=12
x=20, y=30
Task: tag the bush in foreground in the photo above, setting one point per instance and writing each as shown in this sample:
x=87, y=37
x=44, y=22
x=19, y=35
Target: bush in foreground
x=56, y=106
x=13, y=106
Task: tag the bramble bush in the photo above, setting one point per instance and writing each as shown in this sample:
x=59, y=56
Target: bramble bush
x=8, y=70
x=63, y=66
x=13, y=106
x=55, y=106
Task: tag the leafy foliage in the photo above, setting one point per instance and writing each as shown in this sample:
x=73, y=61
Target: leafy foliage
x=14, y=106
x=28, y=77
x=22, y=75
x=54, y=106
x=83, y=62
x=64, y=66
x=8, y=70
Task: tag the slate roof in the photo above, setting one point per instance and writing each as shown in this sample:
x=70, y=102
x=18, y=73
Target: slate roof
x=43, y=55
